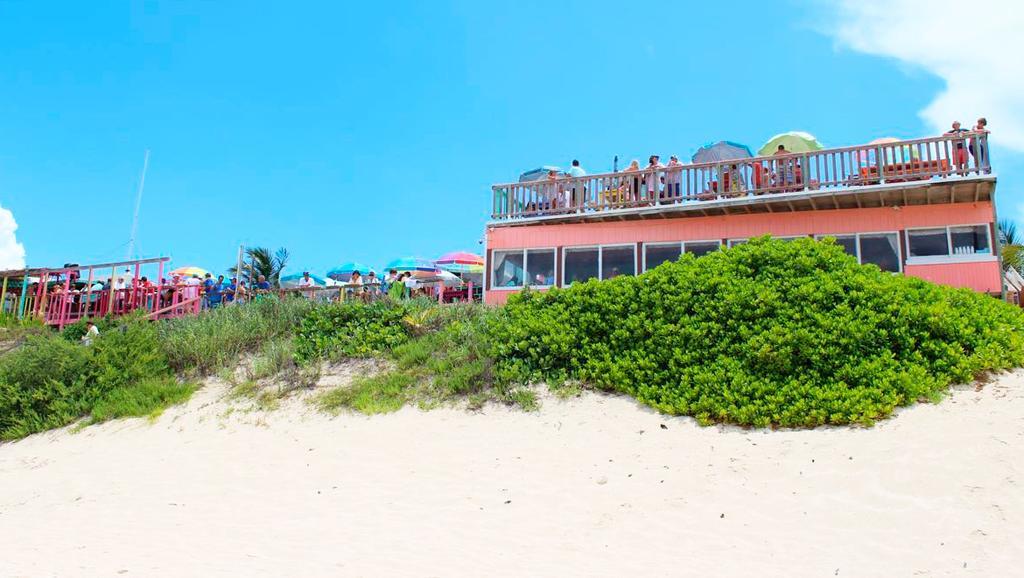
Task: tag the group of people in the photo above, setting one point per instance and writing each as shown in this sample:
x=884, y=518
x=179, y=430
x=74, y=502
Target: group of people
x=394, y=285
x=657, y=182
x=976, y=148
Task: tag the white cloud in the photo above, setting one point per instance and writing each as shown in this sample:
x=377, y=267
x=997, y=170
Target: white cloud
x=976, y=46
x=12, y=253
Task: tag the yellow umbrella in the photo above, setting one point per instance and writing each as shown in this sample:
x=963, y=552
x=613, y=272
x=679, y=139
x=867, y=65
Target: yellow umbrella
x=189, y=271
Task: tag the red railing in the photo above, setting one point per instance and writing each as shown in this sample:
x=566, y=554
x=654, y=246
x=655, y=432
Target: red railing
x=946, y=156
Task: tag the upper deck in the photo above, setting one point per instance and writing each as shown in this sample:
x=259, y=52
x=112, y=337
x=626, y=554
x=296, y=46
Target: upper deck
x=942, y=169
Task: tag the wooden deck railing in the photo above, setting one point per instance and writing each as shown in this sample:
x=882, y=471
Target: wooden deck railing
x=965, y=154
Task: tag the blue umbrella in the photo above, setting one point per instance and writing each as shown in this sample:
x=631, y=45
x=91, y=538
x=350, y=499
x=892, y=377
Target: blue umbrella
x=538, y=174
x=723, y=150
x=344, y=271
x=289, y=281
x=418, y=266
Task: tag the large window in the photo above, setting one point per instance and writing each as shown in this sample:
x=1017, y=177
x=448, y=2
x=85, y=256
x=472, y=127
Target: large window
x=581, y=264
x=956, y=241
x=515, y=269
x=540, y=267
x=880, y=249
x=617, y=261
x=605, y=262
x=657, y=254
x=969, y=240
x=699, y=248
x=928, y=242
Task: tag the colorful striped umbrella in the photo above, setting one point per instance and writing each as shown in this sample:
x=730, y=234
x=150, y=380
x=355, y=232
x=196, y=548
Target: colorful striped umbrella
x=794, y=141
x=461, y=262
x=344, y=271
x=188, y=271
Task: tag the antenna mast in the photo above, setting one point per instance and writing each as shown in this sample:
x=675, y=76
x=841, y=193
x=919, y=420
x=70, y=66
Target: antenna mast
x=138, y=205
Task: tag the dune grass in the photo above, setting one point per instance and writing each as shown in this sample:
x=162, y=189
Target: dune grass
x=148, y=398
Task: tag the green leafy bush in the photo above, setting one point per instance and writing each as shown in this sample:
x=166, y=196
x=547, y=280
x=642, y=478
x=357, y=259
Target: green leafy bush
x=351, y=329
x=766, y=333
x=44, y=384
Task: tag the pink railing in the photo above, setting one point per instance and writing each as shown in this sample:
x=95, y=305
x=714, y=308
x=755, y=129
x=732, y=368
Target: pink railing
x=965, y=154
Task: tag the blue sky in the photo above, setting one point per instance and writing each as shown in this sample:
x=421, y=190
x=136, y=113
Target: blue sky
x=348, y=131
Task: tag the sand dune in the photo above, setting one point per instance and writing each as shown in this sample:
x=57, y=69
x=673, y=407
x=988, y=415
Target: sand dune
x=593, y=486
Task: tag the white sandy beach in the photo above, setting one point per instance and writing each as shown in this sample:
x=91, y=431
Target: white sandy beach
x=594, y=486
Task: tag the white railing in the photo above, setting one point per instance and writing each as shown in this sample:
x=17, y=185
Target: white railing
x=943, y=156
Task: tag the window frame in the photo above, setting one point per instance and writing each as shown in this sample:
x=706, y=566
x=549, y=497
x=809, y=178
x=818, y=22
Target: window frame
x=526, y=268
x=600, y=258
x=900, y=258
x=951, y=257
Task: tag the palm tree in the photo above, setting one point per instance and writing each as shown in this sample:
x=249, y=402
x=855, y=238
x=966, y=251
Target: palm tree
x=1008, y=232
x=259, y=261
x=1009, y=238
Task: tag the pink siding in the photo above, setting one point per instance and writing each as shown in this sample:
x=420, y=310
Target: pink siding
x=739, y=226
x=981, y=276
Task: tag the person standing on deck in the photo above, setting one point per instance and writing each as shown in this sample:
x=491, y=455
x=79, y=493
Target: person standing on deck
x=673, y=177
x=577, y=190
x=653, y=178
x=977, y=149
x=959, y=150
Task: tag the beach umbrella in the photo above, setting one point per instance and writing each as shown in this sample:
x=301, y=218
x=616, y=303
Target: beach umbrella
x=418, y=266
x=461, y=262
x=290, y=281
x=538, y=174
x=894, y=154
x=344, y=271
x=722, y=150
x=794, y=141
x=187, y=271
x=441, y=277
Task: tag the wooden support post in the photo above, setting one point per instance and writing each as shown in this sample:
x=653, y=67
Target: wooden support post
x=24, y=295
x=3, y=297
x=65, y=301
x=87, y=308
x=136, y=286
x=159, y=285
x=112, y=293
x=39, y=307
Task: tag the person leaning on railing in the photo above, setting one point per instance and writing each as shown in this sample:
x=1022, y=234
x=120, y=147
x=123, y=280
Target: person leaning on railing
x=977, y=147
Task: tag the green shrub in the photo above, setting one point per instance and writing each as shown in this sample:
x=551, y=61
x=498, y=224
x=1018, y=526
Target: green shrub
x=127, y=354
x=46, y=383
x=766, y=333
x=351, y=329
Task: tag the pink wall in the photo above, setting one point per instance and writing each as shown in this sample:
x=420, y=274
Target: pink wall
x=981, y=276
x=984, y=276
x=739, y=226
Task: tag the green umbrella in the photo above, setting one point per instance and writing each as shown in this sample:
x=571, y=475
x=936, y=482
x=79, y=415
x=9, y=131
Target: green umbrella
x=794, y=141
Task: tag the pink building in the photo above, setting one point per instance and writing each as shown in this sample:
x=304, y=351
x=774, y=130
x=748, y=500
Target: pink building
x=919, y=207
